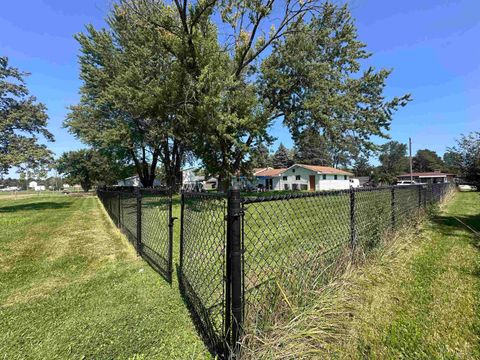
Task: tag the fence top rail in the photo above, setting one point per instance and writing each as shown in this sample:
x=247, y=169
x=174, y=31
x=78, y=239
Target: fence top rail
x=155, y=191
x=293, y=195
x=205, y=195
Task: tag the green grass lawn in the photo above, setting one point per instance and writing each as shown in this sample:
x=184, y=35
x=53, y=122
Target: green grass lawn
x=72, y=287
x=418, y=297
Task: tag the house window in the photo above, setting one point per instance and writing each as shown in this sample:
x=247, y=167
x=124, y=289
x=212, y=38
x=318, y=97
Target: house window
x=294, y=186
x=285, y=178
x=297, y=177
x=293, y=170
x=303, y=187
x=345, y=177
x=324, y=177
x=335, y=177
x=286, y=187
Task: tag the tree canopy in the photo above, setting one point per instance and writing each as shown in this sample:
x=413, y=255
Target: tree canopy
x=466, y=154
x=427, y=160
x=393, y=160
x=88, y=167
x=161, y=82
x=282, y=157
x=314, y=79
x=22, y=121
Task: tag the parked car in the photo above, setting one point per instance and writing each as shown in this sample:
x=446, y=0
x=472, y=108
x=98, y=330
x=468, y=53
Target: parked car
x=407, y=182
x=355, y=183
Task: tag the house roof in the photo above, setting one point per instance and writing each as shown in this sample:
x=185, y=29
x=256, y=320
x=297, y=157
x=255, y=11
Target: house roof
x=270, y=172
x=316, y=168
x=324, y=169
x=427, y=174
x=258, y=170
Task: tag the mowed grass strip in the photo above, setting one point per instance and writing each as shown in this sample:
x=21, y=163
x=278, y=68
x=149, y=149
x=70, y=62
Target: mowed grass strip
x=72, y=287
x=417, y=297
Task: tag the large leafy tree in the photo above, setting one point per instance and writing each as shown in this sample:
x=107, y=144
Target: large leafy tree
x=393, y=159
x=89, y=167
x=427, y=160
x=465, y=156
x=225, y=105
x=132, y=88
x=22, y=121
x=314, y=79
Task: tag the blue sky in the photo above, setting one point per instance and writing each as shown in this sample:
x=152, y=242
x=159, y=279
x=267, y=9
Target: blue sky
x=430, y=44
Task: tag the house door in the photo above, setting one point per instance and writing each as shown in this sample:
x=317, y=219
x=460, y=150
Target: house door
x=312, y=182
x=268, y=184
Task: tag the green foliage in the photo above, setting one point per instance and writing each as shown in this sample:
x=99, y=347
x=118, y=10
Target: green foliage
x=260, y=157
x=313, y=79
x=465, y=156
x=312, y=149
x=89, y=167
x=22, y=120
x=427, y=160
x=130, y=95
x=393, y=159
x=362, y=167
x=282, y=158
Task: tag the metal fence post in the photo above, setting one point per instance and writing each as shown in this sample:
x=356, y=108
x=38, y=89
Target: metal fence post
x=234, y=253
x=353, y=229
x=393, y=207
x=139, y=221
x=171, y=220
x=182, y=211
x=419, y=196
x=119, y=222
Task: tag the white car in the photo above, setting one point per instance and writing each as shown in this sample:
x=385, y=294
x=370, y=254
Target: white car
x=407, y=182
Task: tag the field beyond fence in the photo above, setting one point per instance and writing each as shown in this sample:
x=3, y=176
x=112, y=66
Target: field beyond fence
x=238, y=254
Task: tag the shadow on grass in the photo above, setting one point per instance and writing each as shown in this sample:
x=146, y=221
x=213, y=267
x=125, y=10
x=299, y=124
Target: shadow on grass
x=47, y=205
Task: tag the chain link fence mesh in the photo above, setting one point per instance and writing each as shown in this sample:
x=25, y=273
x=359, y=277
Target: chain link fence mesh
x=144, y=216
x=203, y=263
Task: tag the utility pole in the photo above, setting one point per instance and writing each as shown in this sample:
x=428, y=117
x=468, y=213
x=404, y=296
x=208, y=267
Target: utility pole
x=410, y=150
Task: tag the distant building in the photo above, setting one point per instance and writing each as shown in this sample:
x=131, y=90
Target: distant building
x=135, y=181
x=428, y=177
x=297, y=177
x=34, y=186
x=193, y=182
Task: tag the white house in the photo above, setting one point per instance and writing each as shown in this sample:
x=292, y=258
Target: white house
x=135, y=181
x=193, y=182
x=300, y=177
x=34, y=185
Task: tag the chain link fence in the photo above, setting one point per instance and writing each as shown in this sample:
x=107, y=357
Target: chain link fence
x=145, y=217
x=238, y=254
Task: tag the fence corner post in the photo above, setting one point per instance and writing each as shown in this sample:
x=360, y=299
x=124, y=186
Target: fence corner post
x=234, y=253
x=138, y=195
x=393, y=207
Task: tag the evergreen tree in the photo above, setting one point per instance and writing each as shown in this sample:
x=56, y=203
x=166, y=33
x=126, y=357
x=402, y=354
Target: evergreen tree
x=260, y=157
x=311, y=149
x=281, y=158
